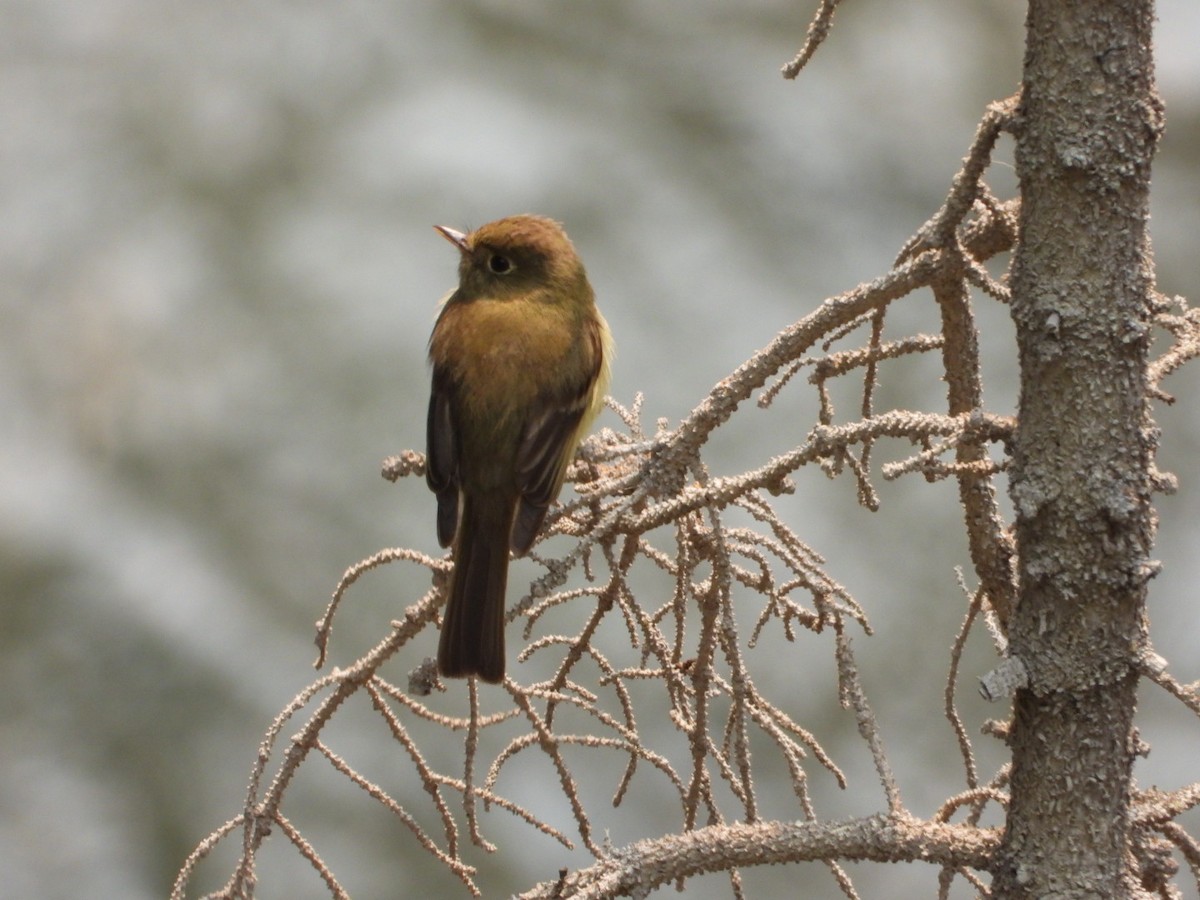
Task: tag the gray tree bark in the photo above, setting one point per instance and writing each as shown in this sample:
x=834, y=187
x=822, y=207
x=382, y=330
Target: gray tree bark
x=1082, y=478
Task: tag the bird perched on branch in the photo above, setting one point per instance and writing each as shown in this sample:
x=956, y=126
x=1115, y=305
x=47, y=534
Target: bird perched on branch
x=520, y=358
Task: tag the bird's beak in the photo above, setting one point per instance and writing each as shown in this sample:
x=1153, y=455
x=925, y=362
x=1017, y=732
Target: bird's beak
x=457, y=238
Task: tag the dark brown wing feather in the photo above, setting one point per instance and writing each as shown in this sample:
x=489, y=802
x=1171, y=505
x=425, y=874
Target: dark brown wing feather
x=441, y=457
x=540, y=467
x=546, y=448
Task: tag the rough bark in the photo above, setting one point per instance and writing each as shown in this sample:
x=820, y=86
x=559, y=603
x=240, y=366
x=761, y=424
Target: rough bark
x=1082, y=287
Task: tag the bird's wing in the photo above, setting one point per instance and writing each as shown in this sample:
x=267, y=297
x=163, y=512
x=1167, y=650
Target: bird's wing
x=548, y=442
x=441, y=456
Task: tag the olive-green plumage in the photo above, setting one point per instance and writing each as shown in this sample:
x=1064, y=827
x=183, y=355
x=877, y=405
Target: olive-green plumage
x=520, y=359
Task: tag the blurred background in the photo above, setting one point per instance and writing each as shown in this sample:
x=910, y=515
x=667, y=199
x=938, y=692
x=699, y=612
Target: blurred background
x=217, y=277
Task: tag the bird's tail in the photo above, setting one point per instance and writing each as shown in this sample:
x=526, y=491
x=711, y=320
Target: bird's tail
x=472, y=641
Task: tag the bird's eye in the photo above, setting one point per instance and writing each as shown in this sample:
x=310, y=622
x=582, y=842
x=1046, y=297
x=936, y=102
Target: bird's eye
x=499, y=264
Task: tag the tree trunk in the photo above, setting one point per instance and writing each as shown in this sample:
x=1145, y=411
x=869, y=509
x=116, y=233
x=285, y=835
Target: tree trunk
x=1081, y=482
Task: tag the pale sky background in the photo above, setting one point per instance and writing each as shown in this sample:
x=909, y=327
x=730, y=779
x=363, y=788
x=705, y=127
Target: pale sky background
x=217, y=277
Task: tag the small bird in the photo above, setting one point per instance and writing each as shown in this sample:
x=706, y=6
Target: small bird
x=520, y=359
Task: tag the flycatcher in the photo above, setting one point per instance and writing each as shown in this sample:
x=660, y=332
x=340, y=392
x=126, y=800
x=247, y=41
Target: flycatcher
x=520, y=358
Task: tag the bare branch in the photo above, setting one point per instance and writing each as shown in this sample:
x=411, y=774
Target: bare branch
x=818, y=30
x=649, y=864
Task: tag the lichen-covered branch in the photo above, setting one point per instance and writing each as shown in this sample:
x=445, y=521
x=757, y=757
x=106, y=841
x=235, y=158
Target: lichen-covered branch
x=646, y=865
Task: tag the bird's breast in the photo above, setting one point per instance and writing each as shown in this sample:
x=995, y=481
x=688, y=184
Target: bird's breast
x=504, y=354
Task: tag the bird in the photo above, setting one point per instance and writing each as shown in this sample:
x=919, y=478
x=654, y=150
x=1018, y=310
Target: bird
x=520, y=360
